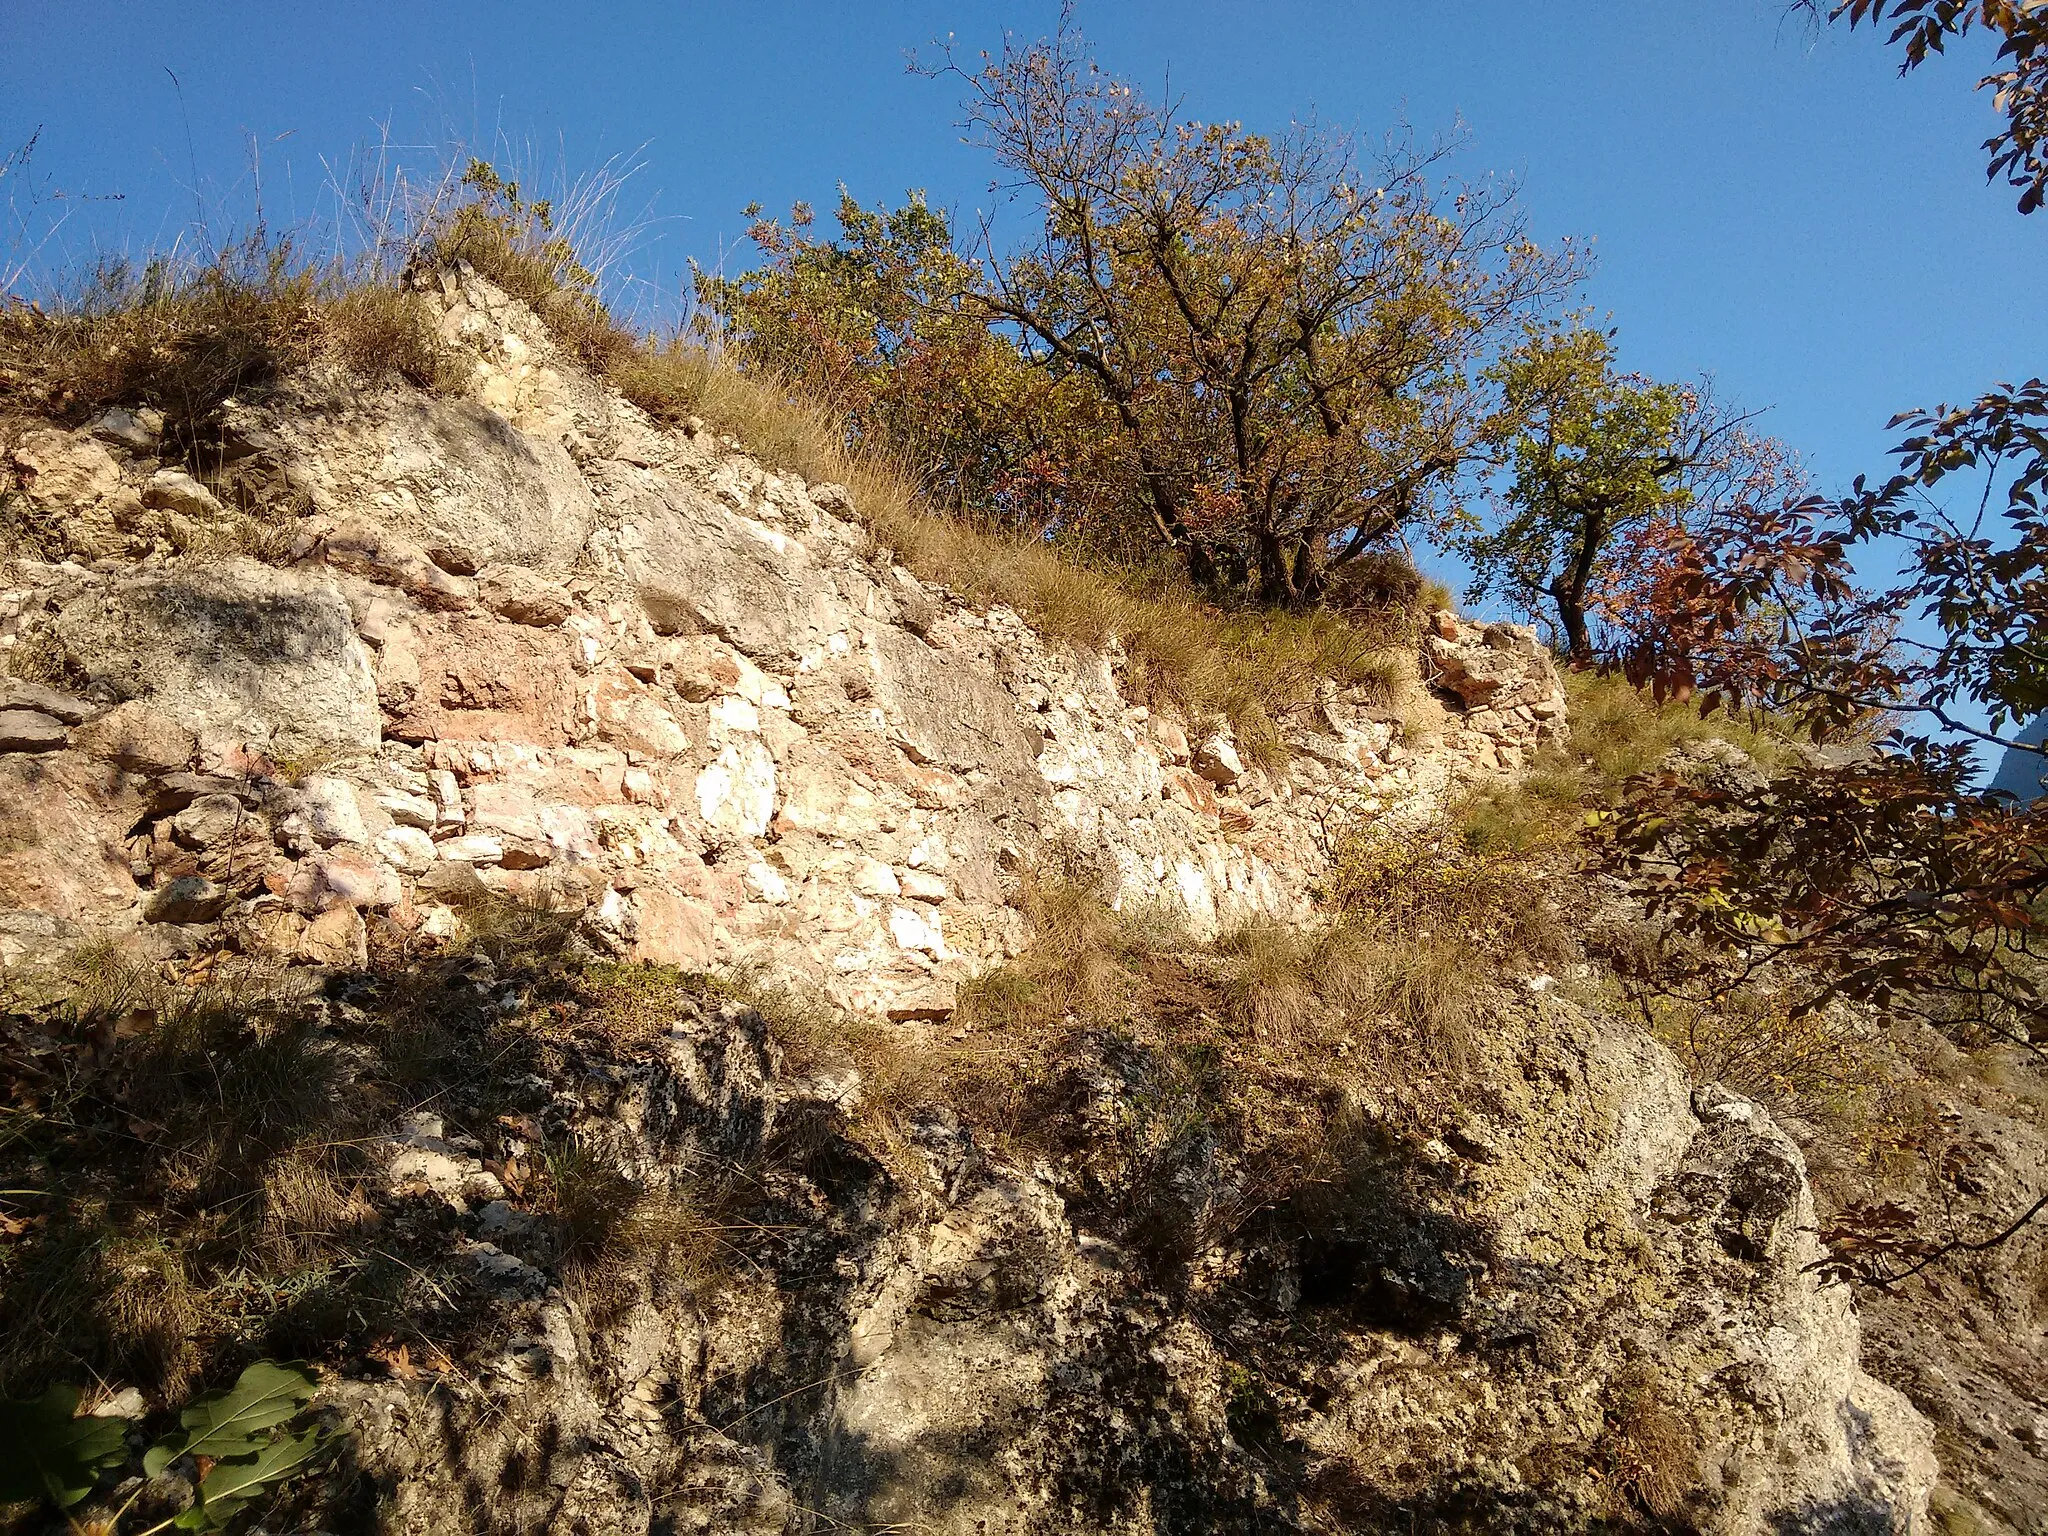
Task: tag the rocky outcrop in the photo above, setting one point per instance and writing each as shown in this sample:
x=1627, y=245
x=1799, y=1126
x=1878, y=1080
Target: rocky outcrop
x=1598, y=1279
x=526, y=643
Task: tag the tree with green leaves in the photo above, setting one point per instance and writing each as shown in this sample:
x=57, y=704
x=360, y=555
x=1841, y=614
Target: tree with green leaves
x=1286, y=334
x=1594, y=468
x=881, y=324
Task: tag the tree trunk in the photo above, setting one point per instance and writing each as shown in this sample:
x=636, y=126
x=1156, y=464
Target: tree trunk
x=1569, y=587
x=1579, y=639
x=1308, y=574
x=1276, y=572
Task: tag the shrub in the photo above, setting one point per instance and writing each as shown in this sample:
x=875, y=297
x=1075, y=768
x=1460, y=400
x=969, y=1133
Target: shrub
x=234, y=1438
x=1824, y=1064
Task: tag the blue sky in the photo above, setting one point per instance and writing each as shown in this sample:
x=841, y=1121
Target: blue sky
x=1769, y=205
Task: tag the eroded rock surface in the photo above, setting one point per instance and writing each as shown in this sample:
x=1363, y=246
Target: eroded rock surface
x=975, y=1346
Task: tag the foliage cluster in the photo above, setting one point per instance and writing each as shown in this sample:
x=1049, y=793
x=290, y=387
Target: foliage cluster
x=1922, y=29
x=236, y=1439
x=1779, y=881
x=1257, y=358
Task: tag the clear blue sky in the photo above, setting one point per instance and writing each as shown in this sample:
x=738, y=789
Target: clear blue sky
x=1775, y=207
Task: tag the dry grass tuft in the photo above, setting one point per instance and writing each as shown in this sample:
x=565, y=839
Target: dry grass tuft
x=1824, y=1064
x=186, y=339
x=1252, y=1039
x=591, y=1197
x=1279, y=973
x=1652, y=1449
x=619, y=1235
x=152, y=1312
x=1619, y=731
x=518, y=936
x=1085, y=960
x=631, y=1003
x=1446, y=885
x=40, y=657
x=811, y=1034
x=309, y=1203
x=182, y=339
x=376, y=328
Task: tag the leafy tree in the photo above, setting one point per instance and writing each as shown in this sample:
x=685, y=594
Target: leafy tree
x=880, y=325
x=843, y=318
x=1606, y=474
x=1285, y=335
x=1885, y=878
x=1760, y=604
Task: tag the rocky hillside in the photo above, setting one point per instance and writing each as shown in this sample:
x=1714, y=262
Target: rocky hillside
x=389, y=674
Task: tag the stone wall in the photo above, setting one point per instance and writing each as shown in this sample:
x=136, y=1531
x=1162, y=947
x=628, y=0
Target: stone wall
x=569, y=656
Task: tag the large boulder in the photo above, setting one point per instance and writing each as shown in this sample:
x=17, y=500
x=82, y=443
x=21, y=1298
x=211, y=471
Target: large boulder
x=702, y=569
x=64, y=819
x=942, y=713
x=234, y=651
x=139, y=738
x=452, y=476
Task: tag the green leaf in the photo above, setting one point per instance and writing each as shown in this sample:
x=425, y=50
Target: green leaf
x=234, y=1422
x=231, y=1484
x=51, y=1452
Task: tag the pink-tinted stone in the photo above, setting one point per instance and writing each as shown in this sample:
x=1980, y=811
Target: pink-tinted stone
x=672, y=931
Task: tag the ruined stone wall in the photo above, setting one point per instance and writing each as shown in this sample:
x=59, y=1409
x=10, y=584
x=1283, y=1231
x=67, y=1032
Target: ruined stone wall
x=563, y=654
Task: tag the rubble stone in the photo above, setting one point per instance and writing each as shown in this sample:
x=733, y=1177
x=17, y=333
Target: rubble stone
x=192, y=899
x=523, y=596
x=137, y=737
x=1218, y=762
x=17, y=693
x=30, y=730
x=173, y=490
